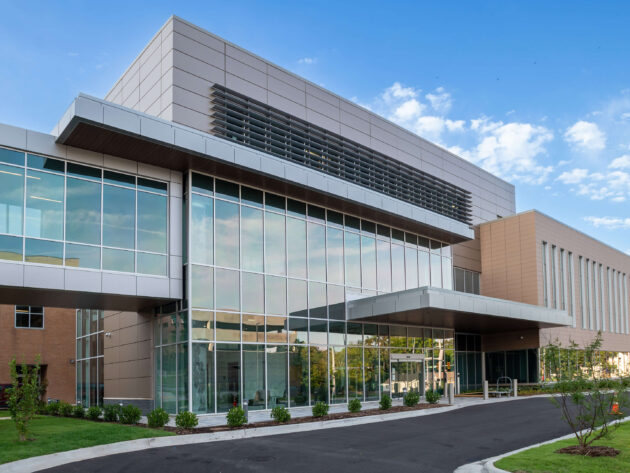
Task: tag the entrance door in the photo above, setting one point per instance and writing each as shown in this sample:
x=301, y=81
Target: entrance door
x=407, y=374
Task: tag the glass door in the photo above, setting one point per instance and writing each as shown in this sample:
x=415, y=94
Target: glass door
x=407, y=376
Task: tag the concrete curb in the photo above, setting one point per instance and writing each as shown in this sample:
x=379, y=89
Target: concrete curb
x=71, y=456
x=487, y=465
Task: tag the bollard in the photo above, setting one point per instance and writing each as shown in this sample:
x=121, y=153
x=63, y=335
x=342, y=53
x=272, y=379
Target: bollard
x=485, y=390
x=459, y=386
x=451, y=393
x=246, y=410
x=515, y=387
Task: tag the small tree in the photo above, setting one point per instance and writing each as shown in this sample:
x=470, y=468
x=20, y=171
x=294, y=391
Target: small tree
x=24, y=395
x=586, y=403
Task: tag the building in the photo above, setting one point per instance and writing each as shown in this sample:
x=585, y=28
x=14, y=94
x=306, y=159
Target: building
x=240, y=233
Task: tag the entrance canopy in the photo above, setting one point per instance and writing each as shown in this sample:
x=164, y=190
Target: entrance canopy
x=463, y=312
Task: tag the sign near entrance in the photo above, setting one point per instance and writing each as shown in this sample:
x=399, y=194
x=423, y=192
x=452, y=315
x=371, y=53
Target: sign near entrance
x=406, y=357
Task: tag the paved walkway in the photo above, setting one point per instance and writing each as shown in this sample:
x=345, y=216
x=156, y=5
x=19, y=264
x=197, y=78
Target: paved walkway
x=432, y=443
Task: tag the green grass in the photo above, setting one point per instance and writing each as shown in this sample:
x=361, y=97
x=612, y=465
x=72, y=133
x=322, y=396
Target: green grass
x=59, y=434
x=5, y=414
x=544, y=460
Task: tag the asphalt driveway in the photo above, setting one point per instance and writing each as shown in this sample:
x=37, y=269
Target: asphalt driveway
x=434, y=443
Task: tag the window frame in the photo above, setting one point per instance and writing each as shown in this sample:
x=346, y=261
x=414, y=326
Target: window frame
x=30, y=313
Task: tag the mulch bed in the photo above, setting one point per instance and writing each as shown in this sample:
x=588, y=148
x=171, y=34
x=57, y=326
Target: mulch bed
x=593, y=451
x=304, y=420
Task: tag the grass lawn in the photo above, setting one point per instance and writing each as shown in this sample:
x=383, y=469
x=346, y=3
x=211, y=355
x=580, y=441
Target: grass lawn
x=5, y=414
x=58, y=434
x=544, y=460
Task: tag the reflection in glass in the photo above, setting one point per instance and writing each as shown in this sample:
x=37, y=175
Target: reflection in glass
x=201, y=229
x=298, y=375
x=411, y=268
x=202, y=283
x=298, y=331
x=83, y=256
x=276, y=329
x=383, y=265
x=251, y=196
x=226, y=234
x=227, y=288
x=228, y=327
x=151, y=222
x=125, y=180
x=149, y=263
x=42, y=251
x=296, y=247
x=317, y=299
x=336, y=302
x=319, y=373
x=169, y=379
x=119, y=217
x=41, y=162
x=337, y=375
x=226, y=190
x=384, y=369
x=398, y=268
x=316, y=252
x=254, y=376
x=274, y=244
x=253, y=328
x=203, y=378
x=11, y=198
x=336, y=333
x=318, y=332
x=252, y=238
x=253, y=293
x=44, y=205
x=276, y=295
x=12, y=157
x=297, y=298
x=355, y=373
x=371, y=373
x=353, y=259
x=424, y=275
x=202, y=325
x=334, y=250
x=118, y=260
x=228, y=376
x=447, y=273
x=202, y=184
x=436, y=271
x=10, y=248
x=368, y=262
x=277, y=376
x=83, y=211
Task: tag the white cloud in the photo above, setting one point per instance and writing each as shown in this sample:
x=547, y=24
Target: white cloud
x=585, y=136
x=611, y=223
x=440, y=100
x=622, y=162
x=573, y=177
x=307, y=60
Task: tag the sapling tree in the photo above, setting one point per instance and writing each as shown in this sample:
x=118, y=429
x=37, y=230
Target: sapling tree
x=24, y=395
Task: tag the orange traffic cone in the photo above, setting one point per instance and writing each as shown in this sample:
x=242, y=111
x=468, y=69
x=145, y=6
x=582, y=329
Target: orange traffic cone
x=615, y=408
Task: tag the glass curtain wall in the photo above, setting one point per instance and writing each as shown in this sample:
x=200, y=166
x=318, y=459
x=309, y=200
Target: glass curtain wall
x=89, y=357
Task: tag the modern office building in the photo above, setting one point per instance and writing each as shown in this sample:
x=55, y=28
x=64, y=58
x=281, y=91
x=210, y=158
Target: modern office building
x=238, y=232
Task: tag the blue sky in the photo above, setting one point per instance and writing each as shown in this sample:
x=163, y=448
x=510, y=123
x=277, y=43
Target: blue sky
x=536, y=92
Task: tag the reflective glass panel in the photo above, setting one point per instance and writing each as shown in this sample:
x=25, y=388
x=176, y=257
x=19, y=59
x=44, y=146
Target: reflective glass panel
x=202, y=184
x=277, y=329
x=253, y=328
x=297, y=298
x=12, y=157
x=319, y=373
x=202, y=287
x=276, y=295
x=355, y=373
x=83, y=256
x=318, y=332
x=119, y=217
x=296, y=208
x=151, y=222
x=169, y=379
x=336, y=299
x=226, y=234
x=371, y=373
x=436, y=271
x=125, y=180
x=226, y=190
x=316, y=252
x=370, y=332
x=355, y=334
x=335, y=255
x=274, y=202
x=118, y=260
x=253, y=293
x=251, y=196
x=353, y=259
x=42, y=251
x=383, y=265
x=152, y=186
x=228, y=376
x=447, y=273
x=41, y=162
x=149, y=263
x=228, y=293
x=83, y=211
x=254, y=376
x=274, y=244
x=368, y=262
x=384, y=371
x=411, y=268
x=11, y=198
x=201, y=229
x=84, y=171
x=337, y=375
x=298, y=331
x=317, y=299
x=398, y=268
x=10, y=248
x=203, y=377
x=202, y=325
x=228, y=327
x=182, y=377
x=424, y=275
x=252, y=238
x=277, y=376
x=336, y=333
x=298, y=375
x=296, y=247
x=44, y=205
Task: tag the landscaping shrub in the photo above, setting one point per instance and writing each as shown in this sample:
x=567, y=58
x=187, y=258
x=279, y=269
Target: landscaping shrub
x=236, y=417
x=187, y=420
x=157, y=418
x=385, y=402
x=432, y=396
x=52, y=409
x=111, y=412
x=354, y=405
x=24, y=394
x=280, y=414
x=78, y=411
x=94, y=413
x=65, y=409
x=320, y=409
x=129, y=414
x=411, y=399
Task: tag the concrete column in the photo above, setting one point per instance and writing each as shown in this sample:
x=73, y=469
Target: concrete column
x=451, y=393
x=515, y=387
x=485, y=390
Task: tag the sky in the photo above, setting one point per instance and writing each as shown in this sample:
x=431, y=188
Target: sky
x=537, y=93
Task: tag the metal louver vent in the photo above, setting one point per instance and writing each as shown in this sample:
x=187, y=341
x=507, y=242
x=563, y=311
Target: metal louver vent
x=259, y=126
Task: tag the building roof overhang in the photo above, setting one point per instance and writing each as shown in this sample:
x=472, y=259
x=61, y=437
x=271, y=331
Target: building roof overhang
x=104, y=127
x=462, y=312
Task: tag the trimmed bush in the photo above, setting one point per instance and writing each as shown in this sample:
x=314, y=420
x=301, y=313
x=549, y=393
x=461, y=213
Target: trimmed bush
x=157, y=418
x=411, y=399
x=94, y=413
x=130, y=414
x=432, y=396
x=236, y=417
x=354, y=405
x=280, y=414
x=320, y=409
x=65, y=409
x=385, y=402
x=187, y=420
x=52, y=409
x=111, y=412
x=78, y=411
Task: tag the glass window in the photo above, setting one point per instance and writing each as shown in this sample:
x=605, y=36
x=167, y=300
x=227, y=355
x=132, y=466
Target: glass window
x=226, y=190
x=253, y=293
x=371, y=374
x=276, y=292
x=335, y=255
x=202, y=325
x=228, y=376
x=336, y=333
x=251, y=196
x=368, y=227
x=316, y=213
x=319, y=373
x=151, y=222
x=152, y=186
x=83, y=211
x=119, y=217
x=83, y=256
x=411, y=268
x=252, y=239
x=47, y=164
x=337, y=375
x=336, y=302
x=125, y=180
x=317, y=299
x=355, y=373
x=227, y=288
x=42, y=251
x=275, y=260
x=274, y=202
x=383, y=231
x=29, y=317
x=253, y=328
x=298, y=376
x=424, y=275
x=368, y=262
x=11, y=198
x=353, y=259
x=202, y=184
x=10, y=248
x=201, y=229
x=352, y=223
x=398, y=268
x=296, y=208
x=436, y=271
x=334, y=219
x=318, y=332
x=202, y=287
x=384, y=370
x=118, y=260
x=296, y=247
x=12, y=157
x=277, y=376
x=84, y=171
x=316, y=252
x=276, y=329
x=149, y=263
x=44, y=205
x=203, y=377
x=383, y=265
x=447, y=273
x=298, y=331
x=228, y=327
x=226, y=234
x=297, y=298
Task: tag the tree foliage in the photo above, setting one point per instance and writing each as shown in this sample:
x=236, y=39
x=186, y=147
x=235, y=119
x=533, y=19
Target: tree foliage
x=24, y=395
